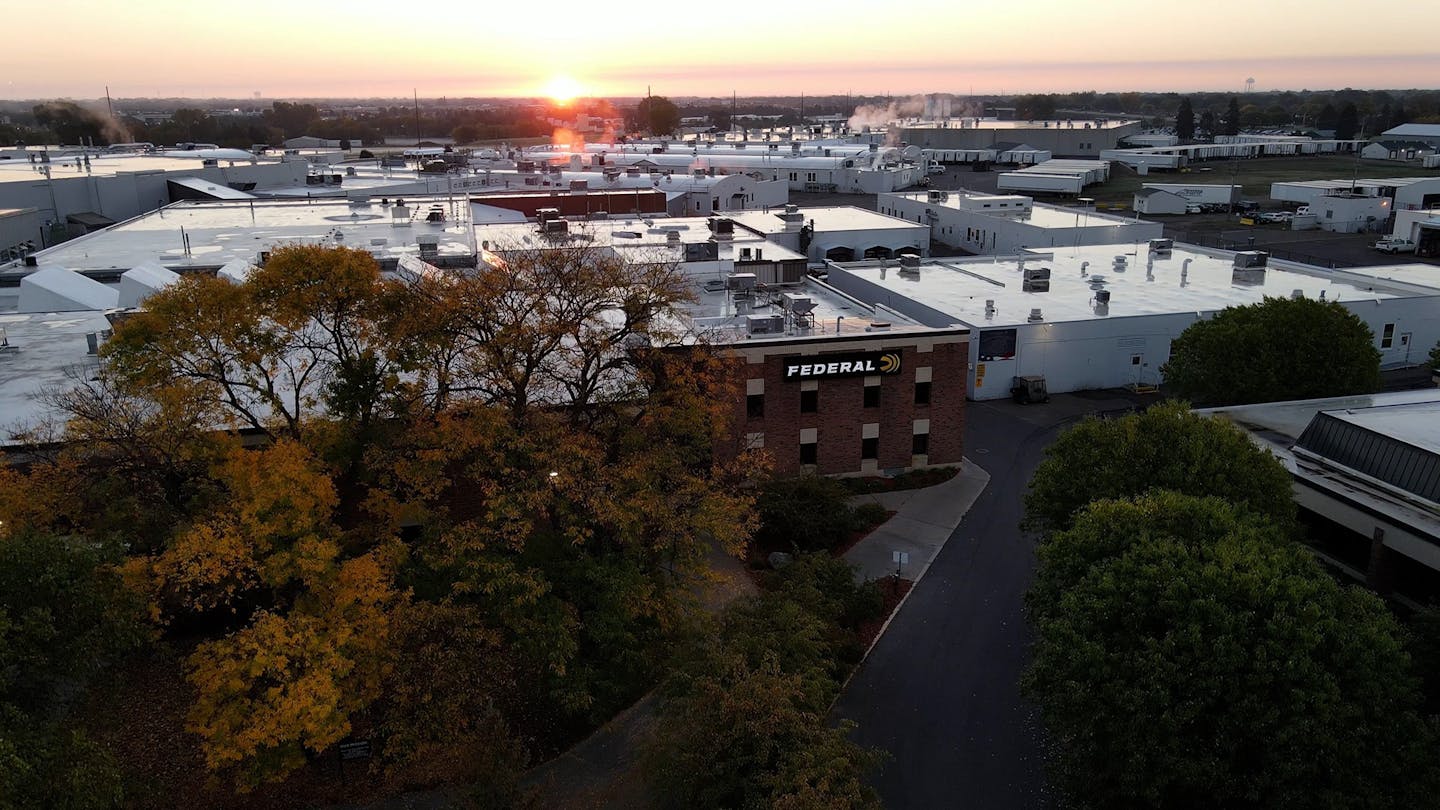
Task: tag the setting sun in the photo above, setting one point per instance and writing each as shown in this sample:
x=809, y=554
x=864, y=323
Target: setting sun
x=563, y=89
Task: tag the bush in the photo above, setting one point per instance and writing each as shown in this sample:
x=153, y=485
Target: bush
x=366, y=154
x=870, y=515
x=807, y=513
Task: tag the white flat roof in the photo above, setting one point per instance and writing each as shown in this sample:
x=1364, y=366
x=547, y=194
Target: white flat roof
x=61, y=168
x=1416, y=423
x=1289, y=419
x=827, y=218
x=46, y=345
x=959, y=287
x=222, y=231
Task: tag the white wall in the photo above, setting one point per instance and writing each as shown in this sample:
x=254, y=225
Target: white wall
x=987, y=233
x=1085, y=355
x=1350, y=214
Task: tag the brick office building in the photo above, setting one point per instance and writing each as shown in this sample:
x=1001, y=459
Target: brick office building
x=868, y=403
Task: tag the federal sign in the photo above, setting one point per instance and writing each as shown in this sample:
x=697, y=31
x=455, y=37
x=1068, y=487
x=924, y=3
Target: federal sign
x=829, y=366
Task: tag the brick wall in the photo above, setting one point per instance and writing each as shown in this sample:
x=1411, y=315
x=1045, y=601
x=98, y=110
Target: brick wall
x=840, y=422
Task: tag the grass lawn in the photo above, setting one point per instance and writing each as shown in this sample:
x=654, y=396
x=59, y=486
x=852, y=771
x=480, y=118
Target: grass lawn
x=1255, y=176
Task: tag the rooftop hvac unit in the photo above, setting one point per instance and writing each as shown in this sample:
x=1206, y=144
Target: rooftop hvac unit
x=1102, y=296
x=764, y=324
x=878, y=326
x=909, y=261
x=1251, y=259
x=1040, y=286
x=937, y=196
x=741, y=281
x=1037, y=274
x=555, y=226
x=1162, y=246
x=699, y=172
x=429, y=244
x=672, y=237
x=579, y=185
x=547, y=214
x=722, y=227
x=798, y=304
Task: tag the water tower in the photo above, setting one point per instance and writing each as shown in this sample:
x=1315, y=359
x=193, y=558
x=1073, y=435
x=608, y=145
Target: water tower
x=1249, y=84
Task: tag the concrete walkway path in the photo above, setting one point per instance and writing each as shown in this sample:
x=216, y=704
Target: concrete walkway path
x=923, y=521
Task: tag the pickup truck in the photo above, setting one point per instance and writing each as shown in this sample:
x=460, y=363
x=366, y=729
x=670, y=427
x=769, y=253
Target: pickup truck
x=1394, y=244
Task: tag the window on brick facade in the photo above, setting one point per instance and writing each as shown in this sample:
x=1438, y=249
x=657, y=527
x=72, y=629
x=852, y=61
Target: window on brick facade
x=808, y=453
x=870, y=448
x=920, y=444
x=809, y=401
x=872, y=396
x=922, y=393
x=755, y=406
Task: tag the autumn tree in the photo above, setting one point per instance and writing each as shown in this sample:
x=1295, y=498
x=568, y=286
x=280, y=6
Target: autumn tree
x=1280, y=349
x=296, y=339
x=1189, y=654
x=1164, y=447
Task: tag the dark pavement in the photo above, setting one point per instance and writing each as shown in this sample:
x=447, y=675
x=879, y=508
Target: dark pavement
x=940, y=692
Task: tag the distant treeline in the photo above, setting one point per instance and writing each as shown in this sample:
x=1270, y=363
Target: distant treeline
x=466, y=121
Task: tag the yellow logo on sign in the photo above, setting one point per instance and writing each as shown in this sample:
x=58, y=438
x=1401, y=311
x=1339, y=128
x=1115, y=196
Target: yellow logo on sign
x=889, y=362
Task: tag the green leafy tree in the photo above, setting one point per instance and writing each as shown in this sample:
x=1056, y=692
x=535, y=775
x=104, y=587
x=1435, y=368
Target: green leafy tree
x=743, y=722
x=1185, y=121
x=1435, y=358
x=1327, y=117
x=63, y=612
x=1280, y=349
x=1347, y=124
x=1230, y=123
x=1165, y=447
x=63, y=615
x=1189, y=656
x=657, y=115
x=1036, y=107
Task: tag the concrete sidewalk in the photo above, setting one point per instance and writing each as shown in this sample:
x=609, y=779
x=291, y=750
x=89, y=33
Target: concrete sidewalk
x=923, y=521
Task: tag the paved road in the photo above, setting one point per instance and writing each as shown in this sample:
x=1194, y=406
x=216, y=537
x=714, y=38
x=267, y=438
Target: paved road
x=940, y=691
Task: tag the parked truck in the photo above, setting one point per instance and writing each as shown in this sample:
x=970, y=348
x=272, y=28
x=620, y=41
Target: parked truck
x=1042, y=183
x=1394, y=244
x=1199, y=194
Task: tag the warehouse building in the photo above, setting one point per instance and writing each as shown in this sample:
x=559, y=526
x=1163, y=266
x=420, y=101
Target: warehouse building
x=1153, y=201
x=1424, y=133
x=77, y=193
x=1420, y=227
x=1001, y=224
x=1405, y=193
x=1065, y=138
x=850, y=169
x=1067, y=177
x=831, y=384
x=838, y=233
x=1369, y=464
x=1103, y=316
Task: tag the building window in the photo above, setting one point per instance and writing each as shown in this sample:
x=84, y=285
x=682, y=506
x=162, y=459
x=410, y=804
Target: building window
x=872, y=396
x=809, y=401
x=922, y=393
x=1387, y=336
x=755, y=406
x=808, y=453
x=794, y=176
x=810, y=176
x=920, y=444
x=869, y=448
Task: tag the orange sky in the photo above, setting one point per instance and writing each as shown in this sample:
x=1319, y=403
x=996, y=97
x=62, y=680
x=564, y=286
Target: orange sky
x=360, y=48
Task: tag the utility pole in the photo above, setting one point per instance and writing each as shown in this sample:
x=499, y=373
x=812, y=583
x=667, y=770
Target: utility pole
x=108, y=106
x=417, y=116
